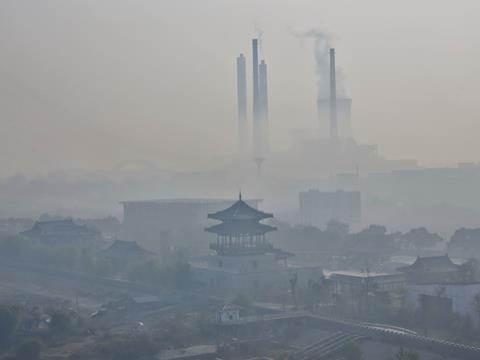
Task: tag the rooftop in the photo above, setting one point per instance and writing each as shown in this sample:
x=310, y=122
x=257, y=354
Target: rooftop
x=429, y=262
x=240, y=210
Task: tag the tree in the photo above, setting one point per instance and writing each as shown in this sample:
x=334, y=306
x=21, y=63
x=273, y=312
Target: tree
x=245, y=303
x=8, y=324
x=420, y=238
x=352, y=351
x=403, y=354
x=29, y=350
x=465, y=240
x=61, y=323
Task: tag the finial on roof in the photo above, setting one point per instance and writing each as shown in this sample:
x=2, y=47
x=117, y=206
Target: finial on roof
x=240, y=194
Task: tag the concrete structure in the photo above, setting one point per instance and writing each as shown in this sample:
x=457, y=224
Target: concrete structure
x=333, y=98
x=317, y=208
x=258, y=156
x=462, y=296
x=228, y=313
x=242, y=104
x=344, y=117
x=351, y=283
x=263, y=96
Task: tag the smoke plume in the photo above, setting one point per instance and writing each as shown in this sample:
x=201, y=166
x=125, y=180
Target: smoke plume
x=322, y=42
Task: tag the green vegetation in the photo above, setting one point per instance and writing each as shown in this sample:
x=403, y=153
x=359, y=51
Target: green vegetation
x=61, y=323
x=8, y=324
x=245, y=303
x=177, y=276
x=29, y=350
x=403, y=354
x=351, y=351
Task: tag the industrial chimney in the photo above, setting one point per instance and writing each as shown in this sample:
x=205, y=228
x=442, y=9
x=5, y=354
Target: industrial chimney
x=258, y=156
x=333, y=98
x=242, y=104
x=263, y=97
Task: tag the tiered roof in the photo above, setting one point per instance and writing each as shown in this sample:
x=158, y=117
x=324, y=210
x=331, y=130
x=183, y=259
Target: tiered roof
x=240, y=211
x=240, y=219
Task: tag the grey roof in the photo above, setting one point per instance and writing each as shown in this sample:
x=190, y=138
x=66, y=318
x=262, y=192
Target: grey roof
x=125, y=249
x=429, y=262
x=240, y=211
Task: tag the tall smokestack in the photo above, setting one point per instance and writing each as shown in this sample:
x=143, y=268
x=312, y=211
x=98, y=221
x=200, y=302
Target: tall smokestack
x=242, y=104
x=255, y=77
x=263, y=97
x=257, y=133
x=333, y=98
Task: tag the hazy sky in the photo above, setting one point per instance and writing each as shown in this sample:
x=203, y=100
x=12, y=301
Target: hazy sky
x=92, y=83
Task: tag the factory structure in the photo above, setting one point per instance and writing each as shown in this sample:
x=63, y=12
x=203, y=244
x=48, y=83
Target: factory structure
x=331, y=149
x=260, y=133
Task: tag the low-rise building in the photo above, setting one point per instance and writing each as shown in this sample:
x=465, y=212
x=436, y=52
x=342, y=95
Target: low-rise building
x=228, y=313
x=431, y=269
x=350, y=283
x=64, y=233
x=462, y=298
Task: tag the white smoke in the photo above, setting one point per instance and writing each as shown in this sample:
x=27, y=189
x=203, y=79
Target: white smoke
x=322, y=42
x=259, y=36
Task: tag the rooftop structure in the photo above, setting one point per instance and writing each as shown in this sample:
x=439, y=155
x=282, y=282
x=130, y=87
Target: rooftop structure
x=122, y=249
x=240, y=231
x=63, y=232
x=242, y=104
x=431, y=269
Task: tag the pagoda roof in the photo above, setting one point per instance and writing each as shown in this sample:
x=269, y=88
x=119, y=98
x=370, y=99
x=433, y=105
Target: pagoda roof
x=240, y=211
x=248, y=227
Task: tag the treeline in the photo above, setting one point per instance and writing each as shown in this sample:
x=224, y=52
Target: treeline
x=336, y=237
x=175, y=273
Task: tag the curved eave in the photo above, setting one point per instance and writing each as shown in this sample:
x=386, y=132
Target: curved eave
x=223, y=217
x=220, y=229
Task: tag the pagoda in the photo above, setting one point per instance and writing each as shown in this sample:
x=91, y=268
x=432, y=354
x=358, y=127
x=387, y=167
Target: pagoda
x=240, y=231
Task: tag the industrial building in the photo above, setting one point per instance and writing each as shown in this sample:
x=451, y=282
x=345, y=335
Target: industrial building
x=317, y=208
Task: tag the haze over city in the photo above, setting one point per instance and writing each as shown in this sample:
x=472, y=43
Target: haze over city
x=114, y=81
x=239, y=180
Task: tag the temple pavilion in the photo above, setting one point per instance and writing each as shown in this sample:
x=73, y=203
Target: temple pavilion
x=241, y=231
x=244, y=261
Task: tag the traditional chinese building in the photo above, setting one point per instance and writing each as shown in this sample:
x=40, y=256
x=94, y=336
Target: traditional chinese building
x=244, y=259
x=241, y=232
x=64, y=233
